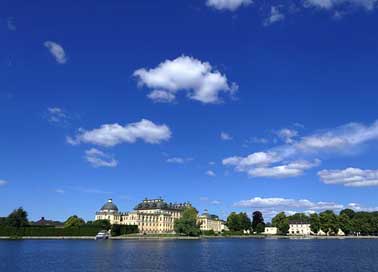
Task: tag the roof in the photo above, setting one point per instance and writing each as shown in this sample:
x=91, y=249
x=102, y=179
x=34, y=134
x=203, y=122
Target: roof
x=110, y=206
x=159, y=203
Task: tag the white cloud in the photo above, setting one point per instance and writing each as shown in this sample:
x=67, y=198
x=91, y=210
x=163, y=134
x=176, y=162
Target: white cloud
x=98, y=158
x=275, y=16
x=56, y=115
x=3, y=182
x=231, y=5
x=197, y=78
x=57, y=51
x=114, y=134
x=329, y=4
x=59, y=191
x=225, y=136
x=216, y=202
x=353, y=177
x=285, y=203
x=258, y=158
x=292, y=158
x=210, y=173
x=160, y=96
x=292, y=169
x=287, y=135
x=178, y=160
x=10, y=24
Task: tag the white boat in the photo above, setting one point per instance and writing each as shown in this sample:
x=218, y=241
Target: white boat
x=102, y=235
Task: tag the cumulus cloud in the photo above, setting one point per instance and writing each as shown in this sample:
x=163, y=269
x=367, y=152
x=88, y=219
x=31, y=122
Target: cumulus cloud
x=292, y=169
x=287, y=203
x=210, y=173
x=3, y=182
x=231, y=5
x=98, y=158
x=114, y=134
x=275, y=16
x=225, y=136
x=353, y=177
x=57, y=51
x=292, y=159
x=197, y=78
x=160, y=96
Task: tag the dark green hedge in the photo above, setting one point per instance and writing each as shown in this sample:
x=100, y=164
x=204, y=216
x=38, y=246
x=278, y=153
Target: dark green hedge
x=118, y=230
x=49, y=231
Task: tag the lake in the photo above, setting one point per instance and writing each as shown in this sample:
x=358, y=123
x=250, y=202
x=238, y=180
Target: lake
x=192, y=255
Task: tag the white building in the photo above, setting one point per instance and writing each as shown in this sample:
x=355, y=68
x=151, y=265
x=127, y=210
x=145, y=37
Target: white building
x=270, y=231
x=299, y=228
x=210, y=222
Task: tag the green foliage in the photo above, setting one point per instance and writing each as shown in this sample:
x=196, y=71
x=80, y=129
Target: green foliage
x=301, y=217
x=281, y=222
x=315, y=223
x=187, y=224
x=258, y=224
x=328, y=222
x=348, y=212
x=48, y=231
x=102, y=223
x=260, y=228
x=345, y=223
x=238, y=222
x=74, y=221
x=17, y=219
x=209, y=233
x=117, y=230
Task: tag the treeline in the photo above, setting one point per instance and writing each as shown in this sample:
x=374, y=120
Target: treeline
x=329, y=223
x=17, y=224
x=240, y=223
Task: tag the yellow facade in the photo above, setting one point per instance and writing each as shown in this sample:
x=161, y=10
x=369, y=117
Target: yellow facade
x=151, y=215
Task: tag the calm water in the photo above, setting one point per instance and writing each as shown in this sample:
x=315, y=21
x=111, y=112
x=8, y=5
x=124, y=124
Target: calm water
x=203, y=255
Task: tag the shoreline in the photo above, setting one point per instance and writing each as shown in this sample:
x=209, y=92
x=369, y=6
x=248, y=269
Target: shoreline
x=151, y=238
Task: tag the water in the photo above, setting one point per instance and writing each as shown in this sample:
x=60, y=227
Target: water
x=199, y=255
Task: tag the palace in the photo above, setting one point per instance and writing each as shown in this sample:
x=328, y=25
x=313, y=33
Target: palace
x=212, y=222
x=155, y=216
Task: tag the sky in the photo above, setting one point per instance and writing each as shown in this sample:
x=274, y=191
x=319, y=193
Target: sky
x=233, y=105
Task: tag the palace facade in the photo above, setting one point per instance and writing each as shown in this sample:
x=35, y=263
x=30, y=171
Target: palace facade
x=151, y=215
x=154, y=216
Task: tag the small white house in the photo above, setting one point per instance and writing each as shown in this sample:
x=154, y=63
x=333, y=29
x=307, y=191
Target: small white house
x=299, y=228
x=270, y=231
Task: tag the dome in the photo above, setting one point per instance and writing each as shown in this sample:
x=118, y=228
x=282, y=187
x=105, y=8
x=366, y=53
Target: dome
x=110, y=206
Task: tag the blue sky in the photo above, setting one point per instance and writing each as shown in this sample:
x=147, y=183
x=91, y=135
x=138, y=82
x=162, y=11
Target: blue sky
x=229, y=104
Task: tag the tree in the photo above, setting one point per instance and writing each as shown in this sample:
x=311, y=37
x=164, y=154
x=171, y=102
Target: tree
x=238, y=222
x=187, y=224
x=299, y=217
x=103, y=223
x=348, y=212
x=281, y=222
x=328, y=222
x=314, y=223
x=74, y=221
x=345, y=223
x=257, y=218
x=18, y=218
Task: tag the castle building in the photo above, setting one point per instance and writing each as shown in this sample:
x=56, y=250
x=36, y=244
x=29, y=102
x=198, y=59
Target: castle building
x=209, y=222
x=151, y=215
